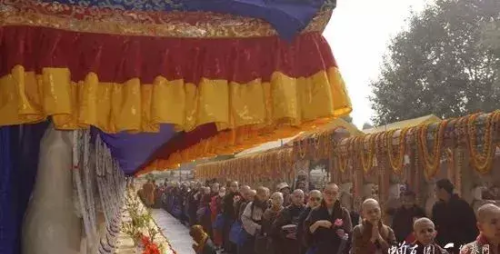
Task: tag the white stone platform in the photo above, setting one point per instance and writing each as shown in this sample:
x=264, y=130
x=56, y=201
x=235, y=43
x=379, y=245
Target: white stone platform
x=176, y=233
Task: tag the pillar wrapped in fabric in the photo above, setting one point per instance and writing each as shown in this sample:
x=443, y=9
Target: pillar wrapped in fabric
x=19, y=148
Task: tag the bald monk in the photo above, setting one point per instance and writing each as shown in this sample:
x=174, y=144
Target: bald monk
x=251, y=219
x=282, y=232
x=372, y=236
x=488, y=223
x=252, y=194
x=425, y=234
x=241, y=201
x=272, y=212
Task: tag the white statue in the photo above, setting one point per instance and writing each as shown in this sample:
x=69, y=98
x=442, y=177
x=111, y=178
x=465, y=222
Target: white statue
x=51, y=225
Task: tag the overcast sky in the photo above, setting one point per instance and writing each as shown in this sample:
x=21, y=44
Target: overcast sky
x=359, y=34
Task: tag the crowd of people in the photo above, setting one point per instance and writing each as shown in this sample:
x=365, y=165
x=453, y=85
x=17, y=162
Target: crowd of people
x=237, y=219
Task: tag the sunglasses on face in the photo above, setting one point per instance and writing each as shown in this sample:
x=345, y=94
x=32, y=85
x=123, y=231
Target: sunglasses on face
x=314, y=199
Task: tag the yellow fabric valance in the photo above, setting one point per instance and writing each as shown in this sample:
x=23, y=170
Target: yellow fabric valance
x=26, y=97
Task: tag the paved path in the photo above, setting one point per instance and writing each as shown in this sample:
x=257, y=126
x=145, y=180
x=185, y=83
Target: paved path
x=176, y=233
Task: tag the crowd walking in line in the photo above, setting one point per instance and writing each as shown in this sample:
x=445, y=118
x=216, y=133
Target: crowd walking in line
x=236, y=219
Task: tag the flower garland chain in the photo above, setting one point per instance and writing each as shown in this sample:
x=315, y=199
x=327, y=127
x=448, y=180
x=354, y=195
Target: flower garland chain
x=450, y=157
x=458, y=170
x=302, y=151
x=431, y=161
x=481, y=161
x=342, y=159
x=346, y=152
x=367, y=161
x=396, y=163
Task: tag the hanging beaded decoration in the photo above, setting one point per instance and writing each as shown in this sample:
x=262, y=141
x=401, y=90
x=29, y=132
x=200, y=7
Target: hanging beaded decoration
x=111, y=184
x=89, y=188
x=100, y=173
x=77, y=181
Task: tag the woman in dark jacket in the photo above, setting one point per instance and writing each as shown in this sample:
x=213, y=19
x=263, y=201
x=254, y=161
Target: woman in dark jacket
x=313, y=201
x=202, y=243
x=329, y=224
x=454, y=217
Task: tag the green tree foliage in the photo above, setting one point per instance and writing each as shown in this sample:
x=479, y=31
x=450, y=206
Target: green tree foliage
x=367, y=126
x=491, y=36
x=442, y=64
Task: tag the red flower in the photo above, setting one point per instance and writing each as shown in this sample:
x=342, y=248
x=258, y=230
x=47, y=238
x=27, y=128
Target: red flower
x=338, y=223
x=154, y=249
x=145, y=240
x=151, y=248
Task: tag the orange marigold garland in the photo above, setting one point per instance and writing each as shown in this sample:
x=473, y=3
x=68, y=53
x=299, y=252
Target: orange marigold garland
x=317, y=144
x=458, y=170
x=432, y=161
x=396, y=163
x=260, y=166
x=481, y=161
x=342, y=160
x=302, y=150
x=367, y=161
x=324, y=143
x=450, y=158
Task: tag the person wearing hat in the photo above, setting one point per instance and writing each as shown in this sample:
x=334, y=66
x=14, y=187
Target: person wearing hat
x=285, y=190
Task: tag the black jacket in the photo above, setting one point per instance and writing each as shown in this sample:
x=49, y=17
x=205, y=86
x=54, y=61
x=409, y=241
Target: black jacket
x=228, y=206
x=455, y=222
x=289, y=215
x=402, y=222
x=301, y=229
x=326, y=240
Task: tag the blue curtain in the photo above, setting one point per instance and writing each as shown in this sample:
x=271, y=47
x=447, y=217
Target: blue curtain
x=19, y=151
x=5, y=208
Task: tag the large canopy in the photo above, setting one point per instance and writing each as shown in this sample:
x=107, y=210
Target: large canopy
x=166, y=82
